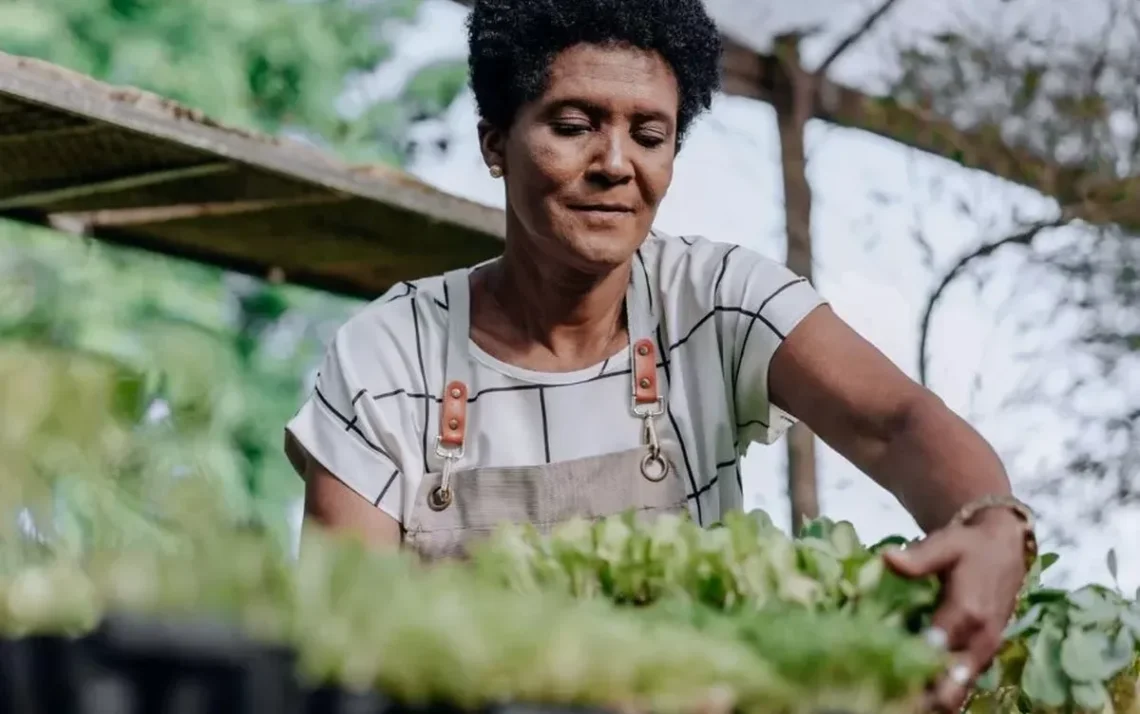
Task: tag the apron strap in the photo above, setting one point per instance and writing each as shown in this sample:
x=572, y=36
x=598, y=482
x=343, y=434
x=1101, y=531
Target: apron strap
x=647, y=401
x=647, y=394
x=457, y=365
x=644, y=370
x=451, y=440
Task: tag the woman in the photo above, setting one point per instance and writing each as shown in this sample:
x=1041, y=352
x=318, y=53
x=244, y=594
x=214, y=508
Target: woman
x=600, y=366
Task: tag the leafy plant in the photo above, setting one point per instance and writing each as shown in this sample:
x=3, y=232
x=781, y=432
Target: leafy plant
x=745, y=562
x=464, y=640
x=1064, y=651
x=663, y=616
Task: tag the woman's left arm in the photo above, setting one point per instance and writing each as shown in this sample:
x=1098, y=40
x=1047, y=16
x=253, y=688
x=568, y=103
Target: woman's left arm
x=904, y=437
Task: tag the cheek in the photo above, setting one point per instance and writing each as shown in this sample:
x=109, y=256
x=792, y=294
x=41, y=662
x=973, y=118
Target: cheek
x=553, y=165
x=658, y=177
x=538, y=171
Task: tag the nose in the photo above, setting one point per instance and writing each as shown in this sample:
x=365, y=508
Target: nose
x=612, y=165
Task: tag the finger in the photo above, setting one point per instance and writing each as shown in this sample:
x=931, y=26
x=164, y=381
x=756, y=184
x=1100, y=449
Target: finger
x=985, y=644
x=931, y=555
x=960, y=618
x=951, y=690
x=974, y=640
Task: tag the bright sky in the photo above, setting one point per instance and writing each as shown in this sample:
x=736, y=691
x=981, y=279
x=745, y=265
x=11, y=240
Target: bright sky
x=727, y=187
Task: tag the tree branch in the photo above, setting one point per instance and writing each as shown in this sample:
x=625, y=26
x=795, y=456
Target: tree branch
x=846, y=43
x=1024, y=237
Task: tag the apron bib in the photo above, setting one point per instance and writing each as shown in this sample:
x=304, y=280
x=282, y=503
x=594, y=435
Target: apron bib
x=454, y=506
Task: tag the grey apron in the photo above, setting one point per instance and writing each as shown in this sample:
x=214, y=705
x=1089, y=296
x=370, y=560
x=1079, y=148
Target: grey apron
x=455, y=505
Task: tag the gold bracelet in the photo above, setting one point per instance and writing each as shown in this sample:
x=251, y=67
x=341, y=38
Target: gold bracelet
x=971, y=510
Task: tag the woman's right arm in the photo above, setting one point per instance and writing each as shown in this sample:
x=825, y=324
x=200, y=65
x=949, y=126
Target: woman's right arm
x=350, y=447
x=332, y=505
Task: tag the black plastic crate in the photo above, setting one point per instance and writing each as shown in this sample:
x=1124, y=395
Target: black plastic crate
x=142, y=666
x=42, y=674
x=192, y=666
x=328, y=700
x=136, y=665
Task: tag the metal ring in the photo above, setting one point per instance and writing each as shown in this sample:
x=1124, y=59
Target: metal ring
x=937, y=638
x=651, y=464
x=439, y=498
x=960, y=674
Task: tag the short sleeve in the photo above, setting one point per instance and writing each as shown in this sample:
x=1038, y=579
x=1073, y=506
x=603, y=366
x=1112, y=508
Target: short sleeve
x=340, y=428
x=759, y=302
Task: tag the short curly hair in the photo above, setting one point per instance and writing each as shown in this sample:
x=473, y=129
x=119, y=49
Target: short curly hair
x=513, y=42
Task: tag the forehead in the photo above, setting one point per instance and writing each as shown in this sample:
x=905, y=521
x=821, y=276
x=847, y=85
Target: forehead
x=615, y=77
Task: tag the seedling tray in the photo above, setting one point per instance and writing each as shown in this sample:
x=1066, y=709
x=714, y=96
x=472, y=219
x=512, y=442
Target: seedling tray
x=135, y=665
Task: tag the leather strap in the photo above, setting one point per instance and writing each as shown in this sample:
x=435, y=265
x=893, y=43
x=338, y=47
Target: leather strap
x=457, y=368
x=453, y=415
x=644, y=372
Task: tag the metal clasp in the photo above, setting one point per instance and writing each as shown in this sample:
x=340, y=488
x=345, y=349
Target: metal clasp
x=654, y=467
x=439, y=498
x=446, y=452
x=647, y=409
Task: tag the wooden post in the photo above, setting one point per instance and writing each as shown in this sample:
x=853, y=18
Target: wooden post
x=794, y=102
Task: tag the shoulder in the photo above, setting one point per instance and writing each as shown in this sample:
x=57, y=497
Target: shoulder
x=695, y=267
x=384, y=340
x=407, y=307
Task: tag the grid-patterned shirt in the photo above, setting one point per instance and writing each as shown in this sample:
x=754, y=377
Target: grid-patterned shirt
x=721, y=311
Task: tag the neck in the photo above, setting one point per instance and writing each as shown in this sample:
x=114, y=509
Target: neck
x=568, y=311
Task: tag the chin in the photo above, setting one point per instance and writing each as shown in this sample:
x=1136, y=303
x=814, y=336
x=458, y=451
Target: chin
x=603, y=250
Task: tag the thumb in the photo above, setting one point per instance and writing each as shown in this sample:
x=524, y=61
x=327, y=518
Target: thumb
x=933, y=554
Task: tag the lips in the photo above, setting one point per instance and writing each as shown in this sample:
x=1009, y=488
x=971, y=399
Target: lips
x=602, y=208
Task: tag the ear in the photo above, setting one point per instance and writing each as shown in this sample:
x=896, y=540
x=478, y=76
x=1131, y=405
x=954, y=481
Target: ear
x=492, y=144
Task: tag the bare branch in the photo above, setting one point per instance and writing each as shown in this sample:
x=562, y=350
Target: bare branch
x=846, y=43
x=1024, y=237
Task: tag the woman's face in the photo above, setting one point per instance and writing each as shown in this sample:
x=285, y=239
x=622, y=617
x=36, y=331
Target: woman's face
x=587, y=164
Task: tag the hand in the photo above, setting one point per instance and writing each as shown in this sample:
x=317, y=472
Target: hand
x=982, y=568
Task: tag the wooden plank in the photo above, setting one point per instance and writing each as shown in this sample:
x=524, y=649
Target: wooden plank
x=163, y=120
x=126, y=183
x=324, y=244
x=154, y=215
x=165, y=178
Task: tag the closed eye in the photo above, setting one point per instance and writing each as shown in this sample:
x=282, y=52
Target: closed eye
x=570, y=128
x=649, y=141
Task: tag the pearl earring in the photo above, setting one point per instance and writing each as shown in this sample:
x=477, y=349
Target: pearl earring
x=496, y=171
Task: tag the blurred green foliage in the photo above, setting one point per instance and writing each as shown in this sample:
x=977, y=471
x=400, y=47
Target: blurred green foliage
x=122, y=373
x=270, y=65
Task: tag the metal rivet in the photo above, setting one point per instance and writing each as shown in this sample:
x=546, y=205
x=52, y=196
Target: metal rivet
x=455, y=393
x=439, y=498
x=643, y=350
x=644, y=383
x=453, y=424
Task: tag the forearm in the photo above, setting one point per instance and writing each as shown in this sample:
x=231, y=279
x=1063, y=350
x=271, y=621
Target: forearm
x=935, y=463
